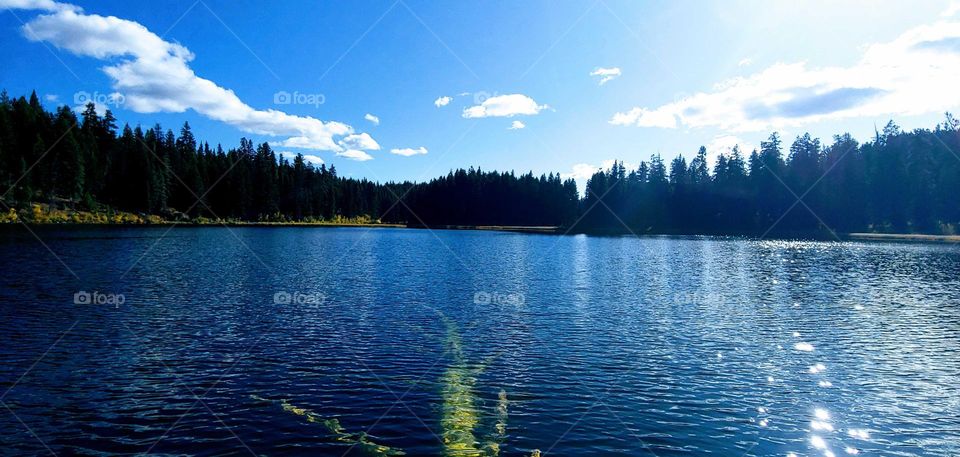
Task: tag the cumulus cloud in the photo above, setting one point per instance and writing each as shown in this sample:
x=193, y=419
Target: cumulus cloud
x=359, y=141
x=407, y=152
x=723, y=145
x=580, y=172
x=52, y=98
x=913, y=74
x=517, y=125
x=354, y=147
x=313, y=159
x=643, y=117
x=373, y=119
x=316, y=160
x=355, y=154
x=44, y=5
x=606, y=74
x=583, y=171
x=154, y=76
x=504, y=106
x=606, y=164
x=443, y=101
x=951, y=10
x=99, y=108
x=746, y=61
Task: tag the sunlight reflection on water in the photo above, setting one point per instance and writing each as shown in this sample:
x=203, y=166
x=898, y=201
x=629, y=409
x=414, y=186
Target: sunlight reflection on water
x=679, y=346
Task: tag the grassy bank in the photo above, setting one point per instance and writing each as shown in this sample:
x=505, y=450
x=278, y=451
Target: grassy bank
x=43, y=214
x=66, y=214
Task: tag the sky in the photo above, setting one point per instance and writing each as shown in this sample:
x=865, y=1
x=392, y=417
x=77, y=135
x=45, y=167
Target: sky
x=410, y=89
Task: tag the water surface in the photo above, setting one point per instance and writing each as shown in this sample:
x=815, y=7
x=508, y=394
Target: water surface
x=600, y=345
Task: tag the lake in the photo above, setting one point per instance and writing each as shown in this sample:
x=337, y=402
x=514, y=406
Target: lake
x=335, y=341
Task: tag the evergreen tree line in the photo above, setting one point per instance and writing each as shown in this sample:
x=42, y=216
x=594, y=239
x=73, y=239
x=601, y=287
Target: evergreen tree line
x=900, y=181
x=62, y=158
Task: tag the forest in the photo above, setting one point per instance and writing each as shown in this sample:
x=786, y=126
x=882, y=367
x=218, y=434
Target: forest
x=899, y=181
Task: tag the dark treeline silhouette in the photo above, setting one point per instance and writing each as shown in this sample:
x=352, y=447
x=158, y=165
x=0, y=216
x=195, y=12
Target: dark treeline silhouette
x=898, y=182
x=60, y=157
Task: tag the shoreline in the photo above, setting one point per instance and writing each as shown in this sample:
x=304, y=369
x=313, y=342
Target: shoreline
x=212, y=223
x=914, y=237
x=552, y=230
x=42, y=215
x=165, y=223
x=548, y=230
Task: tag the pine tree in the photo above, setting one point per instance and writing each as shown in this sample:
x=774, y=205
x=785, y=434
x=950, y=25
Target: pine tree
x=699, y=173
x=898, y=181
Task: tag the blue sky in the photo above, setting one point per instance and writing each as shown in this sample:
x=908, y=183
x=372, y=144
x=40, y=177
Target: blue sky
x=672, y=69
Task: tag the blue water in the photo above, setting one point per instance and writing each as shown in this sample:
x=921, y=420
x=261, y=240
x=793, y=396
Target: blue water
x=601, y=345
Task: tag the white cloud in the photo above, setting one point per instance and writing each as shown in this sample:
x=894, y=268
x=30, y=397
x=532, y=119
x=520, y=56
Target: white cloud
x=583, y=171
x=443, y=101
x=951, y=10
x=355, y=154
x=313, y=159
x=373, y=119
x=154, y=76
x=914, y=74
x=359, y=141
x=407, y=152
x=517, y=125
x=746, y=61
x=45, y=5
x=306, y=157
x=606, y=164
x=504, y=106
x=643, y=117
x=53, y=98
x=99, y=108
x=723, y=144
x=606, y=74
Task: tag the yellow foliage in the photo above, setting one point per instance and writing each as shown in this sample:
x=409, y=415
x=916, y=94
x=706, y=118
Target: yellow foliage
x=46, y=214
x=501, y=425
x=358, y=220
x=10, y=217
x=361, y=440
x=42, y=213
x=460, y=415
